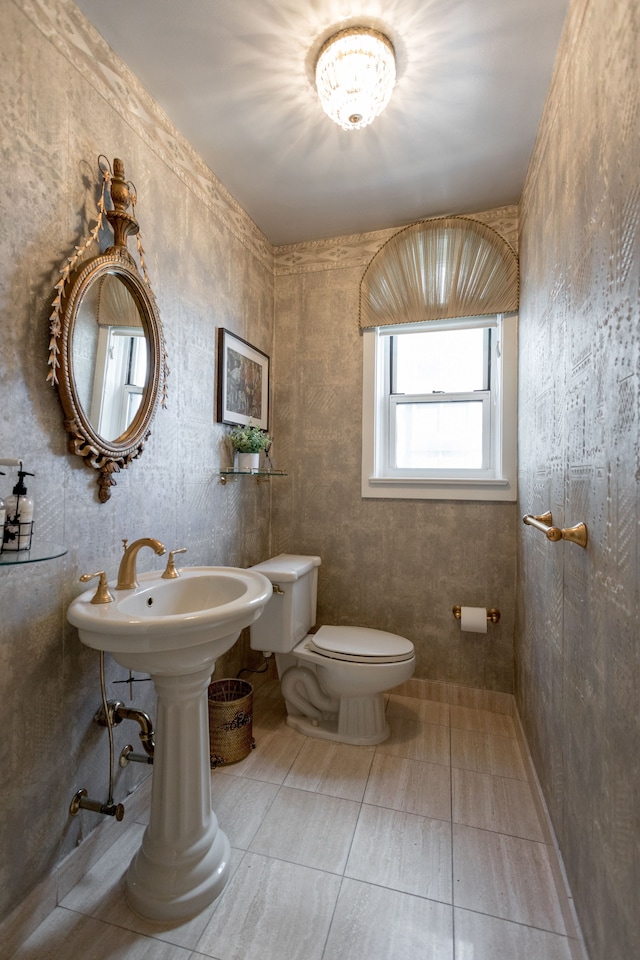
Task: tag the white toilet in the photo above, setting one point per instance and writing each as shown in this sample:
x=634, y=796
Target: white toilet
x=332, y=680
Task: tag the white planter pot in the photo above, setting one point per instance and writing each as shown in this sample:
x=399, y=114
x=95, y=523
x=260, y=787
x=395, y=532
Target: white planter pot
x=248, y=461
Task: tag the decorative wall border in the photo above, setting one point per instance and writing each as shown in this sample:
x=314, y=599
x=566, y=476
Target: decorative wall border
x=358, y=249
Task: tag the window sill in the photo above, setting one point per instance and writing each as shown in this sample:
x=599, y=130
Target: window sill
x=431, y=488
x=443, y=481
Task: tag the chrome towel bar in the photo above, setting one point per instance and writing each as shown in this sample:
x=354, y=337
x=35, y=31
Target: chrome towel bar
x=544, y=521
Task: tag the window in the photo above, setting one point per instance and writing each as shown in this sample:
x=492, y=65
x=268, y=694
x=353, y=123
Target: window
x=439, y=417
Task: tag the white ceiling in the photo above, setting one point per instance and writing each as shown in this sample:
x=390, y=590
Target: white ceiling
x=236, y=78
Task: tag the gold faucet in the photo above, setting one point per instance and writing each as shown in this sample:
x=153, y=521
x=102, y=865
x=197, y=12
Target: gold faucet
x=127, y=572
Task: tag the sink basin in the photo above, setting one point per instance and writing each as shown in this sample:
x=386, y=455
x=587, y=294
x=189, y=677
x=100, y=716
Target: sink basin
x=175, y=630
x=192, y=593
x=168, y=625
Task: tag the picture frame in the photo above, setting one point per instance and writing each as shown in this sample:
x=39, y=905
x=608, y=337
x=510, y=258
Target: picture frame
x=243, y=382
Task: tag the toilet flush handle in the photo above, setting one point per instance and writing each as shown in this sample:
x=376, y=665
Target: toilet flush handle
x=277, y=589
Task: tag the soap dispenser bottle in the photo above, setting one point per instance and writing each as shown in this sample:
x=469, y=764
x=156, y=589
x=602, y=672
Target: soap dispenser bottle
x=19, y=521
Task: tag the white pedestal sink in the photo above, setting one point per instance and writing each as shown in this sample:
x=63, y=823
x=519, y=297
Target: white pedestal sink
x=175, y=630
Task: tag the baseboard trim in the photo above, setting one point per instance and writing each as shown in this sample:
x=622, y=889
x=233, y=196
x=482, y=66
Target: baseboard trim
x=46, y=896
x=458, y=695
x=574, y=932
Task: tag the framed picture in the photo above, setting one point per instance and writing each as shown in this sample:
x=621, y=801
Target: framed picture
x=243, y=382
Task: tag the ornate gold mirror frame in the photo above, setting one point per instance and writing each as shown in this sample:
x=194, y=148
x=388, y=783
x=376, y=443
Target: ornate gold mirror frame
x=132, y=312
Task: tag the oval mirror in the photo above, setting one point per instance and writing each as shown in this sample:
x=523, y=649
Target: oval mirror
x=108, y=354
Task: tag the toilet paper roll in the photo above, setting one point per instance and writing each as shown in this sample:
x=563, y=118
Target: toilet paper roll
x=473, y=619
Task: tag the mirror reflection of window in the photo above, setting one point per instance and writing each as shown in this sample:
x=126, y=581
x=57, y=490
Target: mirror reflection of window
x=120, y=372
x=120, y=379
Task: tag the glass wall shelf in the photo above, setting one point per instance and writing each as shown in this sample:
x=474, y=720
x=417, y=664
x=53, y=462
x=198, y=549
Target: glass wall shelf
x=262, y=476
x=41, y=550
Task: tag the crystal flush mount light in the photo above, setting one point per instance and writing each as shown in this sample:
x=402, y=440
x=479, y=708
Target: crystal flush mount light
x=355, y=74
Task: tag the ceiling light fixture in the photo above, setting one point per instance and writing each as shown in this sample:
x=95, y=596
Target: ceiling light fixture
x=355, y=74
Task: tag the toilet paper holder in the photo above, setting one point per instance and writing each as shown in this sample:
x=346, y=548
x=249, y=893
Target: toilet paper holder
x=493, y=615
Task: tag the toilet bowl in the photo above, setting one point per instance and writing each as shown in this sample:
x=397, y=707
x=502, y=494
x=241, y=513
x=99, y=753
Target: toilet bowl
x=333, y=680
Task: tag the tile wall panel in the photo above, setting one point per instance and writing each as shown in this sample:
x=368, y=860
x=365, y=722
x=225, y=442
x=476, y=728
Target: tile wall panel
x=578, y=648
x=64, y=99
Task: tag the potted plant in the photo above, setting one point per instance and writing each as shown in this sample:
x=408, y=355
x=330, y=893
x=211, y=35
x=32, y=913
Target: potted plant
x=248, y=441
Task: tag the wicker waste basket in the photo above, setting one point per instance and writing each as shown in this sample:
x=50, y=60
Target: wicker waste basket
x=230, y=721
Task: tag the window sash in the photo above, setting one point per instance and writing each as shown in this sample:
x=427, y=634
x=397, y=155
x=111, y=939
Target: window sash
x=483, y=469
x=434, y=328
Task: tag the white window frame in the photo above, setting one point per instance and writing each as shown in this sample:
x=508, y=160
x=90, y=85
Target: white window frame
x=498, y=478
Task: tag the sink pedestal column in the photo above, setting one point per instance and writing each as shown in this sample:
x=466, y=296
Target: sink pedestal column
x=183, y=863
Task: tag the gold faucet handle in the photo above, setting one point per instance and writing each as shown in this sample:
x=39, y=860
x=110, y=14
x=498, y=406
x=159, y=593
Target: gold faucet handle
x=170, y=572
x=102, y=594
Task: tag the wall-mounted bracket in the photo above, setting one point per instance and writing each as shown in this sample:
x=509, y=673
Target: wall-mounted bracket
x=543, y=522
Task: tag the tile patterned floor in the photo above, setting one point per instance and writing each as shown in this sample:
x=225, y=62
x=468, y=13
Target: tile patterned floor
x=429, y=845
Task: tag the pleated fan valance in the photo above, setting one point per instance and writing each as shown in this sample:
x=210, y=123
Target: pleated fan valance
x=439, y=268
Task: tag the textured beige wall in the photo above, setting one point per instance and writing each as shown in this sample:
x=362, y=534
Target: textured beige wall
x=392, y=564
x=63, y=100
x=578, y=651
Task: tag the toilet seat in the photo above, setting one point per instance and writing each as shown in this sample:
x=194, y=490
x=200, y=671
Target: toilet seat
x=360, y=645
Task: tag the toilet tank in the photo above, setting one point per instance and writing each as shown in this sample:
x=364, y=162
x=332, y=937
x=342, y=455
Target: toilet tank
x=288, y=616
